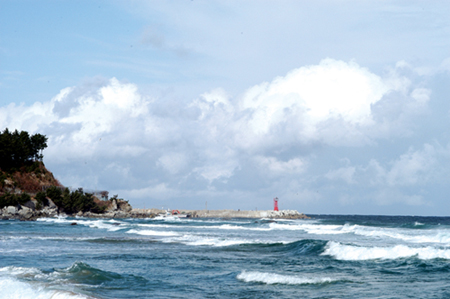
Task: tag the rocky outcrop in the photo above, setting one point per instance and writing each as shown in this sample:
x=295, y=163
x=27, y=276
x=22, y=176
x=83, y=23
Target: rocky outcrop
x=22, y=212
x=117, y=209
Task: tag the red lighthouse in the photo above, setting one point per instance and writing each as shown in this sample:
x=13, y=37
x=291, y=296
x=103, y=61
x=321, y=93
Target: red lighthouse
x=275, y=204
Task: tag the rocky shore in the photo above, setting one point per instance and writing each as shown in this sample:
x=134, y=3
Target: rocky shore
x=122, y=209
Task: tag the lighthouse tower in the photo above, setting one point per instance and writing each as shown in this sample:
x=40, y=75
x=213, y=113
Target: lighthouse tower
x=275, y=204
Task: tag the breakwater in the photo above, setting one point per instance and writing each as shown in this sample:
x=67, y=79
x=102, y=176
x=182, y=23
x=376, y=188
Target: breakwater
x=117, y=211
x=283, y=214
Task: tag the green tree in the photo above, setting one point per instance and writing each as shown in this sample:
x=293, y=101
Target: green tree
x=42, y=200
x=38, y=144
x=55, y=194
x=19, y=148
x=8, y=199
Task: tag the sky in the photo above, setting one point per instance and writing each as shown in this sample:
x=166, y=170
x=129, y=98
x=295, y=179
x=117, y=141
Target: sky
x=334, y=107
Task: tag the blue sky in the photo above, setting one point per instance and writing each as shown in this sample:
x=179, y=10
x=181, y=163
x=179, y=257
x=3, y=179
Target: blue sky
x=333, y=106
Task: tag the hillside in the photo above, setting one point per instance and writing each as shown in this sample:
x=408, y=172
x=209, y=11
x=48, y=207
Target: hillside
x=32, y=191
x=29, y=179
x=28, y=190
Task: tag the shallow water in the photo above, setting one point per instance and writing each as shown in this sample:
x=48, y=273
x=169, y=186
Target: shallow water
x=325, y=257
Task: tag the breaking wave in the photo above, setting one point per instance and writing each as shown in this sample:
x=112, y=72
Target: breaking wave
x=273, y=278
x=15, y=283
x=362, y=253
x=21, y=282
x=108, y=224
x=408, y=235
x=152, y=233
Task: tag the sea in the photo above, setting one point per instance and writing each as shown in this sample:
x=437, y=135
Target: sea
x=327, y=256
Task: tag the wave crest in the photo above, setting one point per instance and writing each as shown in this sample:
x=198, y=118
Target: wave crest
x=361, y=253
x=273, y=278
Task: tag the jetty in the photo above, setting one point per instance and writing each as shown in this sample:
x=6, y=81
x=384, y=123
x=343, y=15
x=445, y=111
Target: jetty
x=282, y=214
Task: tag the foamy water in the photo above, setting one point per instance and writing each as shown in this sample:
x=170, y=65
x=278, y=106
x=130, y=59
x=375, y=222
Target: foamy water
x=11, y=287
x=168, y=257
x=274, y=278
x=359, y=253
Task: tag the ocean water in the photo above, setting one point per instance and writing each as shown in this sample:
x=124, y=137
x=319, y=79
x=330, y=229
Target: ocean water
x=325, y=257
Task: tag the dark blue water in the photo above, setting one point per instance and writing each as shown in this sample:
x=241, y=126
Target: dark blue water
x=325, y=257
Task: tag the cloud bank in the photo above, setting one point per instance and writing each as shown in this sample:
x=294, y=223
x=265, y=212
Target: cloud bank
x=270, y=140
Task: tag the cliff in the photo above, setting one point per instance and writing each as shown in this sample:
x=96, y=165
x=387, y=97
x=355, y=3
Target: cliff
x=32, y=191
x=30, y=179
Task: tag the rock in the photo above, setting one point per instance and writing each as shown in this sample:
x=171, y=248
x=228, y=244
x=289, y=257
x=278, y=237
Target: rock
x=51, y=204
x=113, y=206
x=25, y=212
x=49, y=212
x=109, y=214
x=30, y=204
x=74, y=223
x=124, y=206
x=11, y=210
x=120, y=214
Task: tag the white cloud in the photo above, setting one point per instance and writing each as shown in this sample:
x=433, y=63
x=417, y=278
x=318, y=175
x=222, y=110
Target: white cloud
x=30, y=118
x=213, y=170
x=101, y=113
x=270, y=138
x=344, y=173
x=413, y=167
x=331, y=103
x=161, y=191
x=331, y=89
x=173, y=162
x=276, y=167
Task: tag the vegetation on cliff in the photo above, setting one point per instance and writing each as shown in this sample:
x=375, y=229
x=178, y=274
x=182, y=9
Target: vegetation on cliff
x=24, y=180
x=72, y=202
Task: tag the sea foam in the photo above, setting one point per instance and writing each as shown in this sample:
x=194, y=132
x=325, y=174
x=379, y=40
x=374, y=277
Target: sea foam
x=200, y=240
x=360, y=253
x=272, y=278
x=152, y=233
x=110, y=225
x=11, y=287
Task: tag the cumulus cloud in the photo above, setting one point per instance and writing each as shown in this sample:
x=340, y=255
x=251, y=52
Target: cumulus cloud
x=332, y=103
x=106, y=131
x=329, y=89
